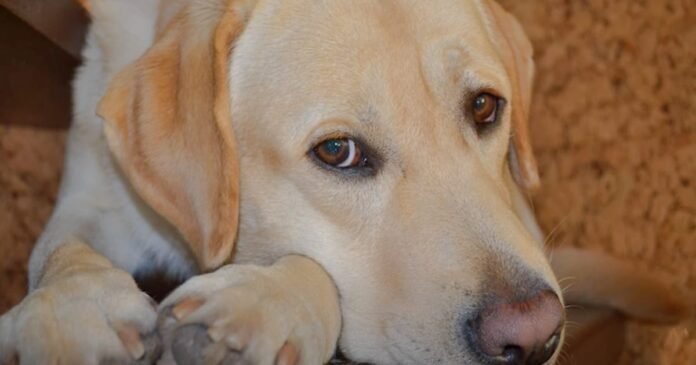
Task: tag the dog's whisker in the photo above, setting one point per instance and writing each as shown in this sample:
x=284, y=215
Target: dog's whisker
x=571, y=324
x=566, y=287
x=565, y=279
x=386, y=315
x=401, y=353
x=575, y=306
x=566, y=283
x=563, y=355
x=551, y=235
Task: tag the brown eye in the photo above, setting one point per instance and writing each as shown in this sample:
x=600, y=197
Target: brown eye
x=485, y=108
x=342, y=153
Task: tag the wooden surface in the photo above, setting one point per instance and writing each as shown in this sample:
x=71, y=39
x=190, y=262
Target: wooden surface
x=36, y=76
x=63, y=22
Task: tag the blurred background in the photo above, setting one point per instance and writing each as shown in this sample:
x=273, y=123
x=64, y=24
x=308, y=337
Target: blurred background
x=613, y=124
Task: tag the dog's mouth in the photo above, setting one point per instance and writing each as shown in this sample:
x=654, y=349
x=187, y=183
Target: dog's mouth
x=340, y=359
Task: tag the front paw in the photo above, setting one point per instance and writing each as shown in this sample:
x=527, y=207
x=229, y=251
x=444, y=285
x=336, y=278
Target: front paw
x=283, y=314
x=97, y=316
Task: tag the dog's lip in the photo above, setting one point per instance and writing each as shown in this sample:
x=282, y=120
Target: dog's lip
x=340, y=359
x=343, y=361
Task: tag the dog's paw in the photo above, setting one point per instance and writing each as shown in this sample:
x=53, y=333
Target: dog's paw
x=95, y=316
x=283, y=314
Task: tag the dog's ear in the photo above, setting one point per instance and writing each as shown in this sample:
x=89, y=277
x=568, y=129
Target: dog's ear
x=168, y=124
x=85, y=4
x=516, y=52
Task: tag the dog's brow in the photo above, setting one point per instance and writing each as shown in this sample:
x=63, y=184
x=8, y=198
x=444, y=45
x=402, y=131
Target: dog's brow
x=367, y=114
x=457, y=56
x=469, y=67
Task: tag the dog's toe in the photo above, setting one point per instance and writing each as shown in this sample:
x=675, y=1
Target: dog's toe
x=188, y=344
x=191, y=345
x=152, y=343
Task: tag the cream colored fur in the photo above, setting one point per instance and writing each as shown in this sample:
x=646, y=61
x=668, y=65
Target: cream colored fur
x=381, y=266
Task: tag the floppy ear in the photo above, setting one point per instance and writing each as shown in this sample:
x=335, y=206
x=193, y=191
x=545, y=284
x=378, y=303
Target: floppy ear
x=516, y=52
x=168, y=124
x=85, y=5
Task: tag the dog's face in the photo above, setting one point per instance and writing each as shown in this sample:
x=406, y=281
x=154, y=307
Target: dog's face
x=375, y=138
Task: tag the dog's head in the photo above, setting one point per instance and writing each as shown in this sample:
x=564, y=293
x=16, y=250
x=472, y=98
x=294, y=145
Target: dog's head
x=387, y=140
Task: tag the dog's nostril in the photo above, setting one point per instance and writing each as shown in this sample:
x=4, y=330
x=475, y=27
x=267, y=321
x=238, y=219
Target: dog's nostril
x=519, y=333
x=512, y=355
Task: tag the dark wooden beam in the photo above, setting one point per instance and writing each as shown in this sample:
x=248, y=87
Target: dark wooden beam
x=35, y=76
x=63, y=22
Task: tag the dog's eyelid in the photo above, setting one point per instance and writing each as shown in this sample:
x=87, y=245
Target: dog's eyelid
x=367, y=165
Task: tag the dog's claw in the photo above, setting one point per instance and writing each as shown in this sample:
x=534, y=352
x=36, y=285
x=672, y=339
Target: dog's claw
x=288, y=355
x=131, y=340
x=186, y=307
x=144, y=348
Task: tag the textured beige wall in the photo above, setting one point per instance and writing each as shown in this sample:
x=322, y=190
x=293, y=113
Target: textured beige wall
x=31, y=161
x=614, y=126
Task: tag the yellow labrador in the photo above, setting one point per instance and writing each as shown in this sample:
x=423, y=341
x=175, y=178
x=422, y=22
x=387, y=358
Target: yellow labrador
x=351, y=174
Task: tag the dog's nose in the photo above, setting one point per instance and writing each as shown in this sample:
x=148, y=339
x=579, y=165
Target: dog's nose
x=519, y=333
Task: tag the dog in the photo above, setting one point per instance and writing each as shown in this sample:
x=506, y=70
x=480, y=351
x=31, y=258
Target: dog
x=325, y=174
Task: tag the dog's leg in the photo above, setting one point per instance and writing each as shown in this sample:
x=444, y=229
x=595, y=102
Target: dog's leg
x=287, y=313
x=595, y=278
x=82, y=311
